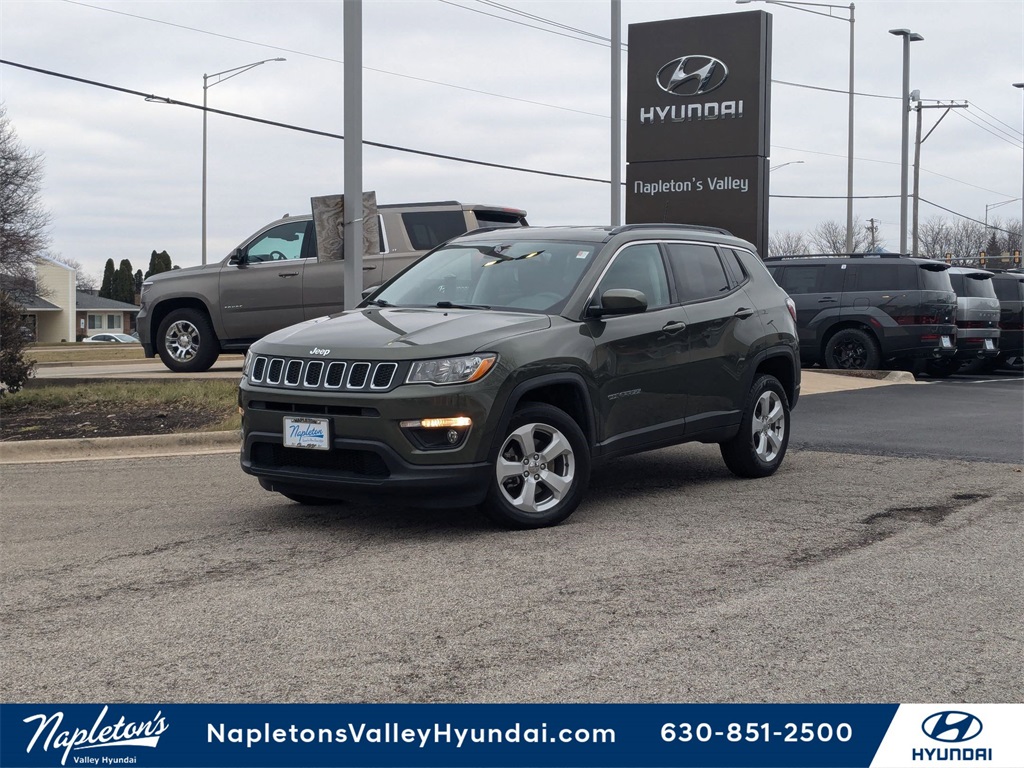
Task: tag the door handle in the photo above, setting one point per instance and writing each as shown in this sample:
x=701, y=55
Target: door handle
x=674, y=327
x=367, y=269
x=743, y=313
x=287, y=274
x=826, y=300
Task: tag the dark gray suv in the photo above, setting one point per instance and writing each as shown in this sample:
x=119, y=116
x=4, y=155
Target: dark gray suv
x=500, y=367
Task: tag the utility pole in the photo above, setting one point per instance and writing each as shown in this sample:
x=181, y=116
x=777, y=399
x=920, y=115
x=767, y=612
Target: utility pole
x=872, y=229
x=916, y=96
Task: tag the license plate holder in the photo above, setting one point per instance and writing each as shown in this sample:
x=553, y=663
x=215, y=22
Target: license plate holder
x=945, y=342
x=307, y=433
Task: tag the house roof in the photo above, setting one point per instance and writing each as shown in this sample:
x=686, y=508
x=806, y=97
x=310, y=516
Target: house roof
x=87, y=301
x=31, y=303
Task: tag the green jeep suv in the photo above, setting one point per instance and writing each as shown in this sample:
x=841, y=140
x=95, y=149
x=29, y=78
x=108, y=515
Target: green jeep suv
x=503, y=365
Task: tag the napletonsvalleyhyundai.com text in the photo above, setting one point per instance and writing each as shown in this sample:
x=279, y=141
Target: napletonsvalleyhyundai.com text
x=394, y=733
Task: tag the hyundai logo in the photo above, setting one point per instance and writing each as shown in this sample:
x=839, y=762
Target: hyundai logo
x=692, y=75
x=951, y=726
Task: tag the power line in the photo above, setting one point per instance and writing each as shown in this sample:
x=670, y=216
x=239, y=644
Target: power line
x=965, y=216
x=995, y=118
x=300, y=129
x=1011, y=142
x=524, y=24
x=535, y=17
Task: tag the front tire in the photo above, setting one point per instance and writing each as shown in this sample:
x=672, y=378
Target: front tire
x=852, y=349
x=758, y=448
x=541, y=468
x=186, y=341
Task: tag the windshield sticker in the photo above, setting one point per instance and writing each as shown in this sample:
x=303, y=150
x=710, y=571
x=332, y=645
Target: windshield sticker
x=582, y=254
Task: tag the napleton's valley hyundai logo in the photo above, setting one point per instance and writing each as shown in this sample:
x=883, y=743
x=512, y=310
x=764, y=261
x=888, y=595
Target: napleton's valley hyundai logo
x=951, y=727
x=692, y=75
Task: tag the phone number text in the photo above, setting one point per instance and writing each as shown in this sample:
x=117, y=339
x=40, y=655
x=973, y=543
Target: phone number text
x=754, y=732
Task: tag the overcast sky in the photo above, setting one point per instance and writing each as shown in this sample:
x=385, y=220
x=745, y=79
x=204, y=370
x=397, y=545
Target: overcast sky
x=468, y=78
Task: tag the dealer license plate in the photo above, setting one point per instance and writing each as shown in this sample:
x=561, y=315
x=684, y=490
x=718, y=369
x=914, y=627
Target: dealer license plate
x=304, y=432
x=989, y=344
x=945, y=342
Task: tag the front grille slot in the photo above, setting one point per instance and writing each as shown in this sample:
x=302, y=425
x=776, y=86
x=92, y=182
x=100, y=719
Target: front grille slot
x=335, y=375
x=310, y=409
x=293, y=372
x=313, y=371
x=382, y=375
x=357, y=375
x=259, y=367
x=274, y=376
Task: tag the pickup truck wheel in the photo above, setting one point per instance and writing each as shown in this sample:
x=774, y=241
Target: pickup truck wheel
x=541, y=469
x=760, y=445
x=186, y=341
x=853, y=349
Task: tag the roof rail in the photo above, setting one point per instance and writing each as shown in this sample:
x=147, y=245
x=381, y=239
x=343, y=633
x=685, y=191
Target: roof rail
x=840, y=256
x=668, y=225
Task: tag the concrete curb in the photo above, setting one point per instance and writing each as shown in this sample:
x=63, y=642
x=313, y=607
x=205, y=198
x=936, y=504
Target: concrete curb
x=893, y=377
x=95, y=448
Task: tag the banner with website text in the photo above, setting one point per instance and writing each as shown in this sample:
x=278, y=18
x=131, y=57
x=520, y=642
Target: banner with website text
x=535, y=735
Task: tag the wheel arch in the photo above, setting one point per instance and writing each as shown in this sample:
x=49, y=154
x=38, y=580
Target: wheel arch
x=844, y=325
x=780, y=363
x=566, y=391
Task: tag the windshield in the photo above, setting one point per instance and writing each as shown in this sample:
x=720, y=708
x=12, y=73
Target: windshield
x=528, y=275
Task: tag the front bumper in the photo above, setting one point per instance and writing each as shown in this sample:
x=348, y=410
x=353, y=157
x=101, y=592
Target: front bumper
x=370, y=453
x=360, y=468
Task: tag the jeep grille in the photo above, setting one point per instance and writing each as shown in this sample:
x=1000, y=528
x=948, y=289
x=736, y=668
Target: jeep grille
x=296, y=373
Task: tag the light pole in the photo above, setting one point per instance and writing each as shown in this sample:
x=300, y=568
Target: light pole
x=233, y=72
x=799, y=6
x=908, y=38
x=990, y=206
x=1021, y=85
x=783, y=165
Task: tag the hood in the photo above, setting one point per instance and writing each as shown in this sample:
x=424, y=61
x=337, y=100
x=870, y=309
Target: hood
x=173, y=273
x=396, y=333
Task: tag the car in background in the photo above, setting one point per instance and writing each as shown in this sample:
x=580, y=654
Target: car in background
x=866, y=311
x=499, y=367
x=111, y=338
x=1009, y=287
x=977, y=321
x=278, y=277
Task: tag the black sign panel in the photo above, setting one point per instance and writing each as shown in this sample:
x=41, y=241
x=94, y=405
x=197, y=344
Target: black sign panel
x=729, y=192
x=697, y=130
x=699, y=87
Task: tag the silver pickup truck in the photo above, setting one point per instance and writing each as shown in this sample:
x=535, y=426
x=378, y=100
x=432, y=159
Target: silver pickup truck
x=275, y=279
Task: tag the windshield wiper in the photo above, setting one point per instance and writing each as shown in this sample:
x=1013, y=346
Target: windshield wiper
x=449, y=305
x=379, y=303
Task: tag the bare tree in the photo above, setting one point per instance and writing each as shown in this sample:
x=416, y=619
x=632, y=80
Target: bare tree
x=967, y=239
x=935, y=238
x=830, y=237
x=786, y=244
x=24, y=222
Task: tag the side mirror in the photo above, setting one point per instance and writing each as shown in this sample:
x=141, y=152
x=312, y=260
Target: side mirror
x=237, y=257
x=620, y=301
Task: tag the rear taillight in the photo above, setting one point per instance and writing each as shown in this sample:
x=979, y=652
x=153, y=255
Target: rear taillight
x=975, y=324
x=791, y=306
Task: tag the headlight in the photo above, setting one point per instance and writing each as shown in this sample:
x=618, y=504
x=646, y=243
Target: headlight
x=247, y=364
x=451, y=370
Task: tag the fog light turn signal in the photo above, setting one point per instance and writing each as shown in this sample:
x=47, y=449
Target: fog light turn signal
x=437, y=434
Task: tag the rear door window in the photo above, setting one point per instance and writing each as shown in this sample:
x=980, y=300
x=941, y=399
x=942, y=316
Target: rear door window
x=698, y=271
x=872, y=277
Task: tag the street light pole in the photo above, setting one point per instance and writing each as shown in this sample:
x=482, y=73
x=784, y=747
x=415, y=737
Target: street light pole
x=233, y=72
x=783, y=165
x=1021, y=85
x=799, y=6
x=908, y=38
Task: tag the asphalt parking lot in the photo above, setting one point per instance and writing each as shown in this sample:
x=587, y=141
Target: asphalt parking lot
x=851, y=575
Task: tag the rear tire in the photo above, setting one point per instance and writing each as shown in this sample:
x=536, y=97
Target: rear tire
x=186, y=341
x=540, y=469
x=852, y=349
x=758, y=448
